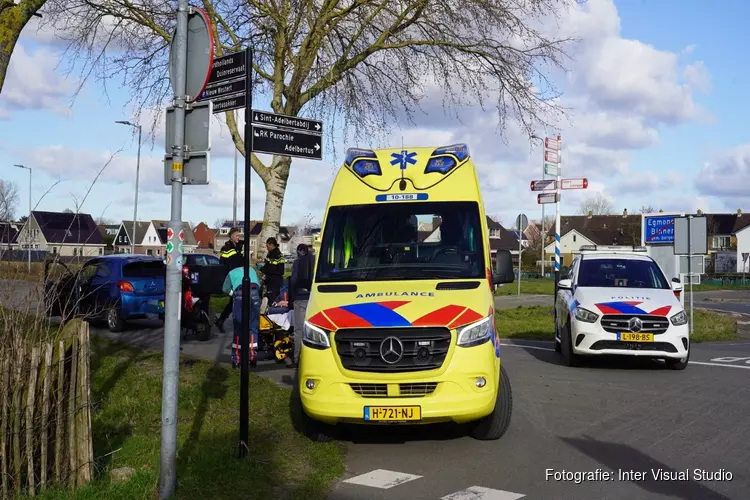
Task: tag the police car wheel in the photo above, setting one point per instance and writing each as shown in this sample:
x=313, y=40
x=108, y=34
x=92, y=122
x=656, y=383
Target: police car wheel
x=494, y=425
x=678, y=364
x=569, y=357
x=558, y=347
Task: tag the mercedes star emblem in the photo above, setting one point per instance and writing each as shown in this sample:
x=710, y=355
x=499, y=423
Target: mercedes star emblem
x=635, y=324
x=391, y=350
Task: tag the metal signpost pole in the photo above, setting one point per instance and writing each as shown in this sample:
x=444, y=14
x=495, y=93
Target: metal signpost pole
x=245, y=338
x=173, y=293
x=137, y=175
x=557, y=215
x=690, y=269
x=234, y=202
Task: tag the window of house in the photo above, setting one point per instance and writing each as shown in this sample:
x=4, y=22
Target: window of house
x=574, y=238
x=54, y=250
x=101, y=251
x=721, y=242
x=150, y=252
x=75, y=252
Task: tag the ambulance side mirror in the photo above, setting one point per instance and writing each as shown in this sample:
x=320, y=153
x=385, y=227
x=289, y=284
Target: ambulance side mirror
x=503, y=268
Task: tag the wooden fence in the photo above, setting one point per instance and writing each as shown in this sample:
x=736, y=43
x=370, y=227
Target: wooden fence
x=45, y=415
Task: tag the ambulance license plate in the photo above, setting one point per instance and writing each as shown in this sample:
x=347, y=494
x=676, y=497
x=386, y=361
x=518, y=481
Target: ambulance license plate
x=392, y=413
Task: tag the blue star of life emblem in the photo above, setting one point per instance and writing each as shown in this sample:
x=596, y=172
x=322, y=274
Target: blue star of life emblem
x=403, y=158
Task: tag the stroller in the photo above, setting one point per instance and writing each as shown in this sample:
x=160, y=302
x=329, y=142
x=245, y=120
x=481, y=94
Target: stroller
x=195, y=317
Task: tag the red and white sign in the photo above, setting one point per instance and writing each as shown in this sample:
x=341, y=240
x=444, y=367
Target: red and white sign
x=170, y=233
x=545, y=185
x=551, y=156
x=547, y=198
x=182, y=235
x=574, y=183
x=552, y=144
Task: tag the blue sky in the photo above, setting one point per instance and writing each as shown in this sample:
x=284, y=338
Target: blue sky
x=658, y=98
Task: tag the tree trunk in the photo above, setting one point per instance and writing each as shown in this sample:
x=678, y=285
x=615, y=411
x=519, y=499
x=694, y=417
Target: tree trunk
x=275, y=191
x=13, y=19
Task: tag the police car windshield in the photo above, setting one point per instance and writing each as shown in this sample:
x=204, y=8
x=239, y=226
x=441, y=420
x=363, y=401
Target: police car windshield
x=624, y=273
x=402, y=240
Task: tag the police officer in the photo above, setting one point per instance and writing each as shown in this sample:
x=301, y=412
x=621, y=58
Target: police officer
x=273, y=270
x=231, y=256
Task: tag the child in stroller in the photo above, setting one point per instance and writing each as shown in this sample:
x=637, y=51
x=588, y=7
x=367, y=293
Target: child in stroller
x=276, y=327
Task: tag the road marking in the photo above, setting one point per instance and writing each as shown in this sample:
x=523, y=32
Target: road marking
x=718, y=364
x=524, y=346
x=381, y=478
x=731, y=359
x=479, y=493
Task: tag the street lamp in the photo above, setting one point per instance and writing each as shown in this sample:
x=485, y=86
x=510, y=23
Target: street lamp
x=544, y=239
x=137, y=175
x=28, y=220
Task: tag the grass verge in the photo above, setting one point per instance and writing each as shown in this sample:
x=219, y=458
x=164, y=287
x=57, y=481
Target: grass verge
x=537, y=323
x=529, y=286
x=126, y=391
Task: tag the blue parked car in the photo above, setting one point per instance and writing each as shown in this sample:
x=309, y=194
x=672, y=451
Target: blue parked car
x=113, y=288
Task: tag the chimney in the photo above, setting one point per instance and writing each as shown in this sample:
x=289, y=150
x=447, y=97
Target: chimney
x=625, y=213
x=435, y=223
x=699, y=212
x=591, y=214
x=739, y=212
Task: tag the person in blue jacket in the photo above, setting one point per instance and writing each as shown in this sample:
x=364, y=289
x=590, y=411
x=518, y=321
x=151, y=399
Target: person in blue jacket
x=233, y=287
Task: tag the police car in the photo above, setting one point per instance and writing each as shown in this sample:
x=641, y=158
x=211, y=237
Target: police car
x=617, y=300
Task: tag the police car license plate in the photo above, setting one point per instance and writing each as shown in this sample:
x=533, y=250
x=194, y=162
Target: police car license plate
x=635, y=337
x=392, y=413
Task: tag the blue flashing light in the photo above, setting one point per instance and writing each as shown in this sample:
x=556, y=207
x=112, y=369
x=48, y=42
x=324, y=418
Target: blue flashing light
x=440, y=165
x=354, y=153
x=460, y=151
x=363, y=167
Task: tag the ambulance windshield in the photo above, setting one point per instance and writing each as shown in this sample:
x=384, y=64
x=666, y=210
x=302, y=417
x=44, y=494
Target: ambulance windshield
x=400, y=241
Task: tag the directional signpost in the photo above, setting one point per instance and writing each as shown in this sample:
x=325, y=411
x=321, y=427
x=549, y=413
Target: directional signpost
x=227, y=82
x=287, y=135
x=574, y=183
x=545, y=198
x=544, y=185
x=690, y=238
x=550, y=168
x=522, y=223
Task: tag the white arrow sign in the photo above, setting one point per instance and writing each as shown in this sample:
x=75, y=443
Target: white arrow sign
x=552, y=156
x=550, y=169
x=317, y=147
x=574, y=183
x=552, y=144
x=317, y=126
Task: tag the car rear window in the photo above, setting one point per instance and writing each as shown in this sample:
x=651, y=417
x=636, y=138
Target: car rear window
x=144, y=270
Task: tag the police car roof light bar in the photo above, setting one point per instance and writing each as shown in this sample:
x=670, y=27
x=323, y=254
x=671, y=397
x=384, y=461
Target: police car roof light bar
x=613, y=248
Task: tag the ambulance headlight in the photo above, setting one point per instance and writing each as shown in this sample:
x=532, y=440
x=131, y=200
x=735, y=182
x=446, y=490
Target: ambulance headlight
x=476, y=333
x=315, y=337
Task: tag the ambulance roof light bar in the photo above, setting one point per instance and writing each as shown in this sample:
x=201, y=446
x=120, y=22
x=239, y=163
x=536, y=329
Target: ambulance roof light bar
x=613, y=248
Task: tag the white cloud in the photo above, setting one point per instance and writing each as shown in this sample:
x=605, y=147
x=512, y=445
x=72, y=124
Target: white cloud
x=726, y=177
x=34, y=83
x=697, y=76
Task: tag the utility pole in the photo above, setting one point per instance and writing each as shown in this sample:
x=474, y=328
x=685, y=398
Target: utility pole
x=137, y=176
x=28, y=220
x=173, y=295
x=557, y=216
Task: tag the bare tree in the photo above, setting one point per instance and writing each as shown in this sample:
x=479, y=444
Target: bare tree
x=8, y=199
x=597, y=205
x=362, y=65
x=13, y=19
x=646, y=209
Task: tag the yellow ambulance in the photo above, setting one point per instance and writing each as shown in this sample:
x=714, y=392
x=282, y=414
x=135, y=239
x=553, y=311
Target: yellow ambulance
x=400, y=325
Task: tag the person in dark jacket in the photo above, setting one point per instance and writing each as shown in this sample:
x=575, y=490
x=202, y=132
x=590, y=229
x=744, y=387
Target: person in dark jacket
x=300, y=284
x=273, y=270
x=231, y=256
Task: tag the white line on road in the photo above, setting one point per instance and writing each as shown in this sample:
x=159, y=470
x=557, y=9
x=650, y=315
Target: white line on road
x=719, y=364
x=479, y=493
x=524, y=346
x=381, y=478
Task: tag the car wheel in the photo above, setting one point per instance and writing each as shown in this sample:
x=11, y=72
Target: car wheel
x=494, y=425
x=678, y=364
x=115, y=323
x=569, y=357
x=315, y=431
x=203, y=328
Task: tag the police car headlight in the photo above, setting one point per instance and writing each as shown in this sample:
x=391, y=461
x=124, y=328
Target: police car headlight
x=585, y=315
x=315, y=337
x=476, y=333
x=679, y=319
